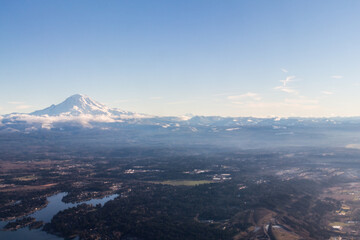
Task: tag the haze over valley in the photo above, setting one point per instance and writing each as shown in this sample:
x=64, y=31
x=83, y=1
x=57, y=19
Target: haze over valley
x=179, y=120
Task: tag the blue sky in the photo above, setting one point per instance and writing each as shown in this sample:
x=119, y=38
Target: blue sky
x=230, y=58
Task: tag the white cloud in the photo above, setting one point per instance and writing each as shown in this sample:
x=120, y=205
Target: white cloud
x=354, y=146
x=16, y=103
x=327, y=92
x=246, y=96
x=284, y=87
x=20, y=105
x=287, y=80
x=156, y=98
x=284, y=70
x=23, y=107
x=337, y=76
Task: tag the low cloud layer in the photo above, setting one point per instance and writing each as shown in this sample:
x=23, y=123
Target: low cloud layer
x=246, y=96
x=48, y=121
x=337, y=76
x=22, y=107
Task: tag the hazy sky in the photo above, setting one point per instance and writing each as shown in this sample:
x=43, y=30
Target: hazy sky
x=232, y=58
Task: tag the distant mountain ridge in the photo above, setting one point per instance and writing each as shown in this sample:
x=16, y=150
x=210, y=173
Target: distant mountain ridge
x=80, y=119
x=82, y=111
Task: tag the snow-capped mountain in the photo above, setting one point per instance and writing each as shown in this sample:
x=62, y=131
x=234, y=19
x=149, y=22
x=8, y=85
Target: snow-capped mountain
x=79, y=104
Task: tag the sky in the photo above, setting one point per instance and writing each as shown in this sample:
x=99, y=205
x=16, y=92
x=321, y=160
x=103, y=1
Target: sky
x=231, y=58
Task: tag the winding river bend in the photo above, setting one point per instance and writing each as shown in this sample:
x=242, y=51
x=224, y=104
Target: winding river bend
x=54, y=206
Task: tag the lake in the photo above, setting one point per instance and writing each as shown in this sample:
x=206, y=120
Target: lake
x=54, y=206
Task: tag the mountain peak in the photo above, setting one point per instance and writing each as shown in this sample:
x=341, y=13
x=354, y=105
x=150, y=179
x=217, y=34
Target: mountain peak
x=78, y=96
x=75, y=105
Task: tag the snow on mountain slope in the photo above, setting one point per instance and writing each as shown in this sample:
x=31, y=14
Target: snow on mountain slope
x=75, y=105
x=79, y=104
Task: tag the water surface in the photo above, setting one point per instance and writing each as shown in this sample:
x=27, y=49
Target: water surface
x=54, y=206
